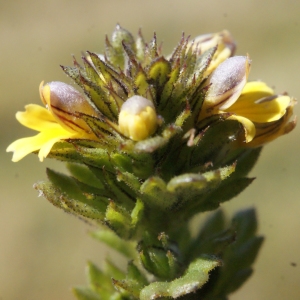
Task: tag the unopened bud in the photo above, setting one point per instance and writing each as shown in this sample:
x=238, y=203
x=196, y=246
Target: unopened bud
x=227, y=82
x=137, y=119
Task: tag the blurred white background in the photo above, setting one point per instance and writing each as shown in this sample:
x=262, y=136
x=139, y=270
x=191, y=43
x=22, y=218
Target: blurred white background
x=43, y=251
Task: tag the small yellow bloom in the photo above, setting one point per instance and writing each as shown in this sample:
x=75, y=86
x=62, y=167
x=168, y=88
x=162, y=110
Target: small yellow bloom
x=225, y=47
x=137, y=119
x=264, y=115
x=59, y=121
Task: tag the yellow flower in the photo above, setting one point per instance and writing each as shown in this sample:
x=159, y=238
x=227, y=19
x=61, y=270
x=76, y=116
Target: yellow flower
x=59, y=121
x=264, y=115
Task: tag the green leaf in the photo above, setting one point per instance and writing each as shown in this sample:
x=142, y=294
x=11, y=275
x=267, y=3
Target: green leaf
x=83, y=174
x=193, y=279
x=246, y=159
x=137, y=213
x=155, y=194
x=119, y=220
x=216, y=143
x=228, y=189
x=75, y=199
x=238, y=257
x=188, y=188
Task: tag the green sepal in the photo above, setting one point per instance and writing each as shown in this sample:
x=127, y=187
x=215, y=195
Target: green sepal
x=155, y=261
x=124, y=223
x=196, y=275
x=202, y=64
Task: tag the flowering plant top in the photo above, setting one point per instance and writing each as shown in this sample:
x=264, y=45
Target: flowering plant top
x=150, y=141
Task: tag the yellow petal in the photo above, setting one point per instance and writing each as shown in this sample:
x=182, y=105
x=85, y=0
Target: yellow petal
x=248, y=126
x=37, y=118
x=257, y=88
x=267, y=132
x=263, y=110
x=43, y=141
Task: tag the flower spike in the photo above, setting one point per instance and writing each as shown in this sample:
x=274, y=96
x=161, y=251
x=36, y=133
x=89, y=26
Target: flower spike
x=151, y=141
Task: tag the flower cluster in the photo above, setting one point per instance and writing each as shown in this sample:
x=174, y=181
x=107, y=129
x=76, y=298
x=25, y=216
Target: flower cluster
x=151, y=141
x=263, y=114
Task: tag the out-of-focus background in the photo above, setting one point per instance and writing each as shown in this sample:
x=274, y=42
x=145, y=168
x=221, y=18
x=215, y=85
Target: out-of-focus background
x=43, y=251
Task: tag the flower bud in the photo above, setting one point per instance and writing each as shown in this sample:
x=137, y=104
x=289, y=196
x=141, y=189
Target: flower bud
x=65, y=103
x=137, y=119
x=227, y=82
x=224, y=39
x=225, y=47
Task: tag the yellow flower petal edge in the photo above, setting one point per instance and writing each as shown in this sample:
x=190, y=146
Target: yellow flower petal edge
x=43, y=142
x=259, y=104
x=36, y=117
x=267, y=132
